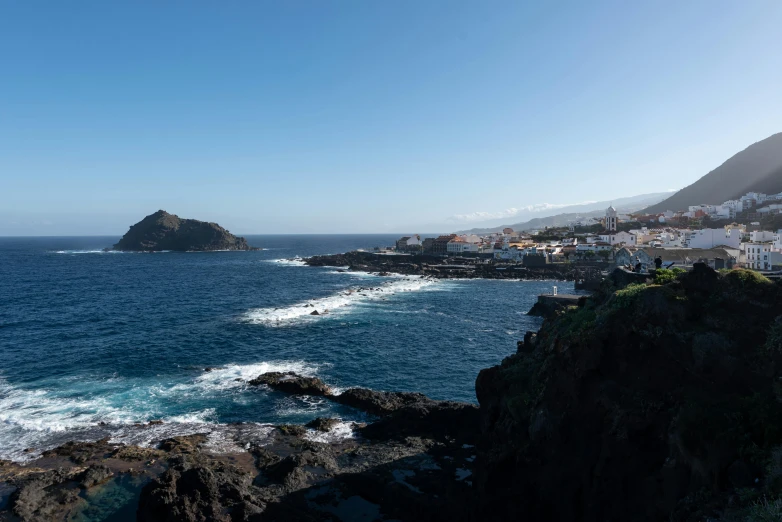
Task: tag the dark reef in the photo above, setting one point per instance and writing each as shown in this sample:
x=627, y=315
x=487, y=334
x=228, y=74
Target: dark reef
x=444, y=268
x=645, y=402
x=164, y=231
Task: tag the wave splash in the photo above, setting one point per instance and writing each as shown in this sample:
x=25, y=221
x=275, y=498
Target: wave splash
x=335, y=304
x=120, y=408
x=294, y=261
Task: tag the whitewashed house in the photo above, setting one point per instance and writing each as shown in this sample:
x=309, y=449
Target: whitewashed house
x=619, y=238
x=459, y=246
x=713, y=237
x=761, y=236
x=756, y=256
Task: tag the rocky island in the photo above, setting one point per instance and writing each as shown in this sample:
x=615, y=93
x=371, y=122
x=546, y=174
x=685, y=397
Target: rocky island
x=658, y=400
x=164, y=231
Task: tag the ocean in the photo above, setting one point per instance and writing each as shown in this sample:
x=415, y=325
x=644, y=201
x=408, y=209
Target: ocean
x=96, y=344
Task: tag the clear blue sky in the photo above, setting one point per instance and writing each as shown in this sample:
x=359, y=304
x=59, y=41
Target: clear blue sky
x=368, y=116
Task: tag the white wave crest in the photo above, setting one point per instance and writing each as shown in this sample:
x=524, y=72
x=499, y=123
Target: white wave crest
x=43, y=418
x=295, y=261
x=334, y=304
x=341, y=431
x=236, y=375
x=89, y=252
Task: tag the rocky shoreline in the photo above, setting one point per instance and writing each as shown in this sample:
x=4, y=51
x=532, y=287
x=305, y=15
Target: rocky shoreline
x=644, y=402
x=441, y=268
x=410, y=464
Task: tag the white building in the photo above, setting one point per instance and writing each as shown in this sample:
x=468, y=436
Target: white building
x=774, y=208
x=723, y=212
x=713, y=237
x=756, y=256
x=761, y=236
x=619, y=238
x=734, y=206
x=777, y=244
x=459, y=246
x=510, y=254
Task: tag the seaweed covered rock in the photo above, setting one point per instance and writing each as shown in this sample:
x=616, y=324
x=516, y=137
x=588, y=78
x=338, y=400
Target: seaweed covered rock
x=649, y=402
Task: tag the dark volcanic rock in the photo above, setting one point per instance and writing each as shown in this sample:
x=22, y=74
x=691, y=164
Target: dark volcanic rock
x=378, y=402
x=292, y=429
x=322, y=423
x=39, y=498
x=194, y=489
x=164, y=231
x=640, y=405
x=94, y=475
x=290, y=382
x=436, y=419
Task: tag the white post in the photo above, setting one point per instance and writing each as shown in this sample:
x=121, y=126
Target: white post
x=555, y=290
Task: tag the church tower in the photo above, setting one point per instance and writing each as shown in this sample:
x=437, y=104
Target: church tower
x=611, y=219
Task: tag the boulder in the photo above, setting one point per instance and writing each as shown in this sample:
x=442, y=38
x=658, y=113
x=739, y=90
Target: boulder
x=440, y=420
x=194, y=489
x=293, y=430
x=94, y=475
x=322, y=423
x=378, y=402
x=290, y=382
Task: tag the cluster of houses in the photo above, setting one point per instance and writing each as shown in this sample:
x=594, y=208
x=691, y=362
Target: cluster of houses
x=752, y=205
x=723, y=247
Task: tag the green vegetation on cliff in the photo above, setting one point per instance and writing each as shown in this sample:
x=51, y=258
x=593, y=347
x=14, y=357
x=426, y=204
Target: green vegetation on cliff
x=659, y=401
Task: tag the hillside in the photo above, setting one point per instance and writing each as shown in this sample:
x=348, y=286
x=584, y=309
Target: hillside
x=164, y=231
x=758, y=168
x=574, y=212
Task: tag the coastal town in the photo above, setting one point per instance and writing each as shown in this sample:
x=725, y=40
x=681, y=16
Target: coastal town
x=742, y=233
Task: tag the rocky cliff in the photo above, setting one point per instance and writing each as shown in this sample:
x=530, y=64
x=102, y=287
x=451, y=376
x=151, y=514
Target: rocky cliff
x=164, y=231
x=645, y=402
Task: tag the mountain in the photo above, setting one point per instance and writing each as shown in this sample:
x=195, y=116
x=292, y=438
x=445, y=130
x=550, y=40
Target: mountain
x=164, y=231
x=573, y=212
x=758, y=168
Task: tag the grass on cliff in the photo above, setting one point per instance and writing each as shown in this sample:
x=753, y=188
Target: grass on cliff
x=663, y=276
x=743, y=278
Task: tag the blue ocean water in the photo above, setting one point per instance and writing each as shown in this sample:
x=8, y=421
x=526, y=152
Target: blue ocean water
x=93, y=344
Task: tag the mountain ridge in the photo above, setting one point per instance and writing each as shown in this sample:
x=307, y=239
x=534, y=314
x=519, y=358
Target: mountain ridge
x=596, y=209
x=757, y=168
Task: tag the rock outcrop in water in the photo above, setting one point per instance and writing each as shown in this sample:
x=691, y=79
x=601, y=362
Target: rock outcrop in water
x=290, y=382
x=164, y=231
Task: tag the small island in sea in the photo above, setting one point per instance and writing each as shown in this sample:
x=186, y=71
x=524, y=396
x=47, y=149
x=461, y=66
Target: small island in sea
x=164, y=231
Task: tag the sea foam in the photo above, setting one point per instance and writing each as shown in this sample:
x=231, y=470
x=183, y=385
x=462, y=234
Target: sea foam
x=336, y=304
x=295, y=261
x=120, y=408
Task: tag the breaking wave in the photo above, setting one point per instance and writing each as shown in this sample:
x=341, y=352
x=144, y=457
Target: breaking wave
x=335, y=304
x=294, y=261
x=42, y=418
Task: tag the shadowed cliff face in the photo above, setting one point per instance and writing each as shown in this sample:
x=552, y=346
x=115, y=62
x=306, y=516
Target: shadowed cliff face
x=648, y=402
x=164, y=231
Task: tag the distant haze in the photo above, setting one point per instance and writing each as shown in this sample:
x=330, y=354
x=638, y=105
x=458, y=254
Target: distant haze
x=369, y=117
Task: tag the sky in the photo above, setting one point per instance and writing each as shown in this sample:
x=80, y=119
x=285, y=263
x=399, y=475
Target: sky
x=343, y=116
